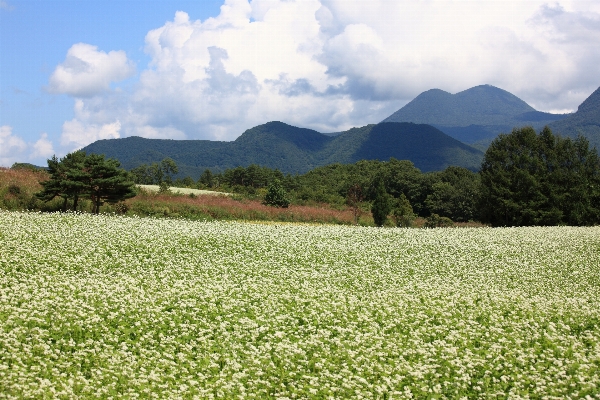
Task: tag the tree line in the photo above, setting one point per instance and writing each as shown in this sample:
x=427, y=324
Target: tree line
x=526, y=178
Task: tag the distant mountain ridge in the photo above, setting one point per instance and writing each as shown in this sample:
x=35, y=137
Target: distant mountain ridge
x=297, y=150
x=436, y=127
x=585, y=121
x=476, y=114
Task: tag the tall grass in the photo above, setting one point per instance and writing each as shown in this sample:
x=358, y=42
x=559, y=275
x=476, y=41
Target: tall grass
x=212, y=207
x=18, y=188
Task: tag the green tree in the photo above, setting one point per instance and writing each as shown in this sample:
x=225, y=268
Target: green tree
x=67, y=179
x=106, y=181
x=454, y=194
x=382, y=204
x=403, y=212
x=168, y=167
x=206, y=179
x=354, y=197
x=276, y=195
x=530, y=179
x=142, y=175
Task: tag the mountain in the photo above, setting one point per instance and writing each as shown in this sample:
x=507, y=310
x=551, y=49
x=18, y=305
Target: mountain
x=474, y=115
x=585, y=121
x=297, y=150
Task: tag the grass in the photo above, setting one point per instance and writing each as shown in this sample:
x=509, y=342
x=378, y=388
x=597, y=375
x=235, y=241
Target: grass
x=18, y=187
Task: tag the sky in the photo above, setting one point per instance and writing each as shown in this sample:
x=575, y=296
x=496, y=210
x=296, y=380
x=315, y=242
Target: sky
x=73, y=72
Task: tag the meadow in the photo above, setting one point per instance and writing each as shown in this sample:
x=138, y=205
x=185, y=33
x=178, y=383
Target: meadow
x=100, y=306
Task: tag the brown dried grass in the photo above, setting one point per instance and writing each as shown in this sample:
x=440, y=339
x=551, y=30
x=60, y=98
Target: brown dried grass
x=27, y=180
x=223, y=207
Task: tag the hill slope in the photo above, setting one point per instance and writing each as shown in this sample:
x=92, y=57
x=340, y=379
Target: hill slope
x=476, y=114
x=586, y=121
x=297, y=150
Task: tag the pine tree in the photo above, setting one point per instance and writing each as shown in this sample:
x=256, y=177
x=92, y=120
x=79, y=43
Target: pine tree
x=107, y=182
x=66, y=179
x=382, y=204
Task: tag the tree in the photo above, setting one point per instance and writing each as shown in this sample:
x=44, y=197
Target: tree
x=354, y=197
x=381, y=204
x=67, y=179
x=530, y=179
x=206, y=179
x=142, y=175
x=403, y=212
x=276, y=195
x=168, y=167
x=454, y=194
x=106, y=181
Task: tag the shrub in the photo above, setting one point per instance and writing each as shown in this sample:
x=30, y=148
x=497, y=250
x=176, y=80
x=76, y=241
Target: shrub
x=276, y=195
x=435, y=221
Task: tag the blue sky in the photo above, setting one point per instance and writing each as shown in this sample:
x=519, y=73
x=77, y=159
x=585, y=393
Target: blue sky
x=72, y=72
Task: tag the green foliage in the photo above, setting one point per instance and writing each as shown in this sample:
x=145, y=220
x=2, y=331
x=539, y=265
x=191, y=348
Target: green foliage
x=354, y=198
x=67, y=179
x=106, y=181
x=90, y=176
x=156, y=173
x=435, y=221
x=207, y=179
x=530, y=179
x=163, y=187
x=454, y=195
x=403, y=212
x=27, y=166
x=382, y=204
x=276, y=195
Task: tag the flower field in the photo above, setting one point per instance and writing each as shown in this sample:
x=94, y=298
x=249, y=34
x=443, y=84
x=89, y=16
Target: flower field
x=105, y=306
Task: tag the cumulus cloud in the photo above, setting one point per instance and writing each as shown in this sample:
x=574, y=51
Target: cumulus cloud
x=42, y=148
x=14, y=149
x=87, y=71
x=76, y=134
x=11, y=146
x=329, y=65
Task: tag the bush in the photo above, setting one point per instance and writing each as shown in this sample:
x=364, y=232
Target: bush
x=435, y=221
x=163, y=187
x=276, y=195
x=121, y=208
x=14, y=190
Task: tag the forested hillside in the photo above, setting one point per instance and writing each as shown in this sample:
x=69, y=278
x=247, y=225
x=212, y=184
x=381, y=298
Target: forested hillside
x=586, y=121
x=296, y=150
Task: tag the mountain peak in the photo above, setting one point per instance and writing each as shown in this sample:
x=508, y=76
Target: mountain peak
x=591, y=104
x=475, y=115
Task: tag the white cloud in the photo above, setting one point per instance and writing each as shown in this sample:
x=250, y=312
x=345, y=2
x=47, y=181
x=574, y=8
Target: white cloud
x=14, y=149
x=330, y=64
x=42, y=148
x=76, y=134
x=11, y=146
x=87, y=71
